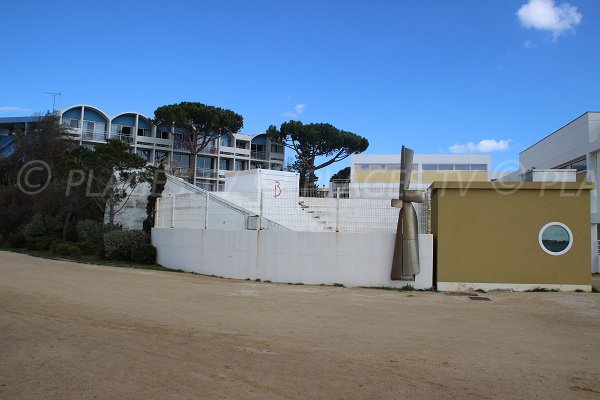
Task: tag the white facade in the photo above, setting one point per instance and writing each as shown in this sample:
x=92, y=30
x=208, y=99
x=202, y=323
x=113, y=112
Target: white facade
x=422, y=162
x=574, y=146
x=350, y=259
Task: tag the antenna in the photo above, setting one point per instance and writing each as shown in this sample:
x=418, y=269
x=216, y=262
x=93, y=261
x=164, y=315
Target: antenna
x=54, y=94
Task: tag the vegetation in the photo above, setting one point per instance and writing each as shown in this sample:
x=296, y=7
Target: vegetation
x=342, y=174
x=58, y=206
x=201, y=123
x=311, y=141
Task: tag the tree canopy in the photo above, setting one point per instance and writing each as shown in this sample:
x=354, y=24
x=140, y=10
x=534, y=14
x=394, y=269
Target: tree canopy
x=310, y=141
x=342, y=174
x=201, y=123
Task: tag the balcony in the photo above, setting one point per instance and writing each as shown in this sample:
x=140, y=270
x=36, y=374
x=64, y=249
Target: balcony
x=124, y=138
x=258, y=155
x=206, y=173
x=94, y=135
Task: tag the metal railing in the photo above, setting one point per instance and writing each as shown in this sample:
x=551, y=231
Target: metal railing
x=206, y=173
x=278, y=208
x=258, y=155
x=93, y=135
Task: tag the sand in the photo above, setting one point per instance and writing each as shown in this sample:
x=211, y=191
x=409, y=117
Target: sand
x=75, y=331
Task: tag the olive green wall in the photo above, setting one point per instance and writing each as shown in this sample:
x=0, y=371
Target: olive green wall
x=488, y=233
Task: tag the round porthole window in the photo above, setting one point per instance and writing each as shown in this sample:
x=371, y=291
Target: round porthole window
x=555, y=238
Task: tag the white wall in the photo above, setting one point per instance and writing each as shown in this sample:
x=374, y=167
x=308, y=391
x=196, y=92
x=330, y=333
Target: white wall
x=351, y=259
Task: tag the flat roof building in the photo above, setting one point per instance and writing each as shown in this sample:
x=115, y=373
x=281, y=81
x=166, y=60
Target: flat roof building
x=575, y=146
x=427, y=168
x=91, y=126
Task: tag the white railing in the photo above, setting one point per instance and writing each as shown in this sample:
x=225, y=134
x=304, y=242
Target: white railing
x=93, y=135
x=287, y=208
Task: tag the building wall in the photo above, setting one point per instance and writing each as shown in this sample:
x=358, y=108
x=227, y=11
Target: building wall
x=150, y=146
x=578, y=139
x=385, y=168
x=351, y=259
x=486, y=235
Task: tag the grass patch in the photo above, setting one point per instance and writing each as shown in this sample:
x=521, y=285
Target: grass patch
x=595, y=290
x=338, y=285
x=89, y=259
x=541, y=289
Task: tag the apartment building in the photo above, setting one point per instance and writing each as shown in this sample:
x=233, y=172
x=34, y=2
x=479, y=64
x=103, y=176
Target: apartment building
x=90, y=126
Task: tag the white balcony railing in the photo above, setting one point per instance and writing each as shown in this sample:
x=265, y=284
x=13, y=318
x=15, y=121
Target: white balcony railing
x=94, y=135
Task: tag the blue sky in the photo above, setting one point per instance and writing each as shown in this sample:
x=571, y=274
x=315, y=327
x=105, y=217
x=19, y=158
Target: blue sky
x=435, y=75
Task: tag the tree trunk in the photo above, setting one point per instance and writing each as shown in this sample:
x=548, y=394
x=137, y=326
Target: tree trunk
x=310, y=184
x=65, y=228
x=111, y=215
x=192, y=167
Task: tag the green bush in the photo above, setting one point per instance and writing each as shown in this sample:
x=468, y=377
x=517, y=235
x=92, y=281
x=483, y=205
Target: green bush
x=90, y=249
x=39, y=242
x=90, y=231
x=143, y=253
x=42, y=225
x=16, y=239
x=67, y=249
x=118, y=244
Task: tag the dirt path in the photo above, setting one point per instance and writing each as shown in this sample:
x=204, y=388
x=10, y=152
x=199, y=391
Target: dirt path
x=72, y=331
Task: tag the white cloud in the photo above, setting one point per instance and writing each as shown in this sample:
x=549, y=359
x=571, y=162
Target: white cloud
x=298, y=109
x=483, y=146
x=7, y=109
x=547, y=16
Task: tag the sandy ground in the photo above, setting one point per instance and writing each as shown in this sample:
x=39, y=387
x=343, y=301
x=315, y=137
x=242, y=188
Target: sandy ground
x=73, y=331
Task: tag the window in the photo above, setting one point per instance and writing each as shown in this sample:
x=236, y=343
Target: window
x=162, y=156
x=145, y=154
x=462, y=167
x=478, y=167
x=181, y=160
x=143, y=132
x=580, y=165
x=555, y=238
x=224, y=164
x=276, y=148
x=429, y=167
x=204, y=163
x=162, y=134
x=239, y=165
x=226, y=141
x=241, y=144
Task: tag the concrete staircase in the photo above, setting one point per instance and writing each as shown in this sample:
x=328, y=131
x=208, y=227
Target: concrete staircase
x=284, y=211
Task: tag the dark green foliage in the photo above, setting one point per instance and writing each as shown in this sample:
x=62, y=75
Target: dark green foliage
x=41, y=231
x=67, y=249
x=90, y=249
x=317, y=140
x=90, y=231
x=39, y=242
x=143, y=253
x=15, y=208
x=16, y=239
x=202, y=124
x=342, y=174
x=118, y=244
x=158, y=185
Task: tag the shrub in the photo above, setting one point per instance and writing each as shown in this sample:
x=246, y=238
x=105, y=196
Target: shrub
x=143, y=253
x=67, y=249
x=90, y=231
x=90, y=249
x=39, y=242
x=42, y=225
x=118, y=244
x=16, y=239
